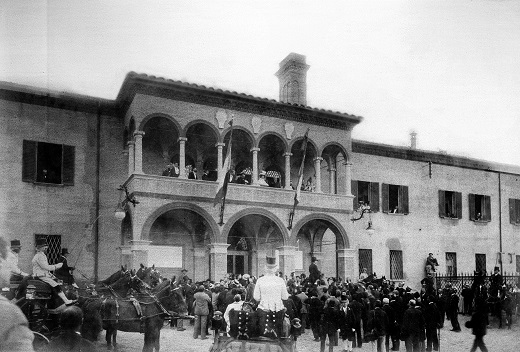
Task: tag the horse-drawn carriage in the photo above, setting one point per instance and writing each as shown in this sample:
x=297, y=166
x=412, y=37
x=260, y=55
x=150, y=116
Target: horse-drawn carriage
x=105, y=305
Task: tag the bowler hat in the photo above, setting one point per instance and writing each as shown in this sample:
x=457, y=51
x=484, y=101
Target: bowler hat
x=314, y=259
x=15, y=244
x=41, y=242
x=184, y=271
x=64, y=251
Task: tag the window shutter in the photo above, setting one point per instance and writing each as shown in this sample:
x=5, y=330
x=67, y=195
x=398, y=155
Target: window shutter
x=353, y=189
x=442, y=203
x=471, y=198
x=29, y=154
x=384, y=197
x=487, y=209
x=374, y=197
x=403, y=201
x=68, y=165
x=512, y=211
x=458, y=204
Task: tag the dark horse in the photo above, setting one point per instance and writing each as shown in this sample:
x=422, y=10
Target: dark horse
x=501, y=301
x=145, y=314
x=149, y=275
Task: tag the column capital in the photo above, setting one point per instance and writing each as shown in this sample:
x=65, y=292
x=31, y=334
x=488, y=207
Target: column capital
x=218, y=248
x=346, y=252
x=182, y=139
x=138, y=133
x=254, y=149
x=220, y=144
x=332, y=169
x=286, y=250
x=287, y=154
x=130, y=143
x=318, y=158
x=348, y=164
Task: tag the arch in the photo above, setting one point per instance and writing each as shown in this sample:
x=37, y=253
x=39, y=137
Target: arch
x=309, y=141
x=159, y=114
x=226, y=131
x=335, y=144
x=253, y=211
x=267, y=133
x=147, y=226
x=204, y=122
x=336, y=227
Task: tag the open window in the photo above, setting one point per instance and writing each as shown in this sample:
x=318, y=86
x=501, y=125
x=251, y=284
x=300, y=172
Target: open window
x=48, y=163
x=450, y=204
x=365, y=192
x=395, y=199
x=479, y=207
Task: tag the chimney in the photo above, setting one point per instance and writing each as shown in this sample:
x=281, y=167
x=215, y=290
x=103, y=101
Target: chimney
x=292, y=76
x=413, y=140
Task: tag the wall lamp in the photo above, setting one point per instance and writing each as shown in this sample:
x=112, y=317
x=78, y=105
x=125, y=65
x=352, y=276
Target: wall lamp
x=365, y=208
x=120, y=213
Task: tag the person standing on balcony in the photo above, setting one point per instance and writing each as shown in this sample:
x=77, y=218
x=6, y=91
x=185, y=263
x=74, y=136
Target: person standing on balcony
x=262, y=181
x=172, y=170
x=314, y=272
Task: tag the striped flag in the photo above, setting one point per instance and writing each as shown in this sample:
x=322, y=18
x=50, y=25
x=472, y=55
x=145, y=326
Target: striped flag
x=223, y=177
x=300, y=178
x=300, y=172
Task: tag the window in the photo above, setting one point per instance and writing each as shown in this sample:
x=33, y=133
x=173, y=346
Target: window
x=54, y=251
x=514, y=211
x=365, y=260
x=479, y=207
x=518, y=263
x=396, y=265
x=451, y=264
x=480, y=262
x=395, y=199
x=48, y=163
x=450, y=204
x=366, y=193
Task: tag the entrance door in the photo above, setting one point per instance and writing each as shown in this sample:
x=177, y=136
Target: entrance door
x=237, y=262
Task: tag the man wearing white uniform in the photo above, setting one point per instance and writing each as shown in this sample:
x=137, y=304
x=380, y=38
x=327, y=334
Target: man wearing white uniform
x=16, y=273
x=269, y=291
x=41, y=269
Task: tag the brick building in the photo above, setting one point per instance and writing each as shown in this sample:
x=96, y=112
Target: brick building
x=66, y=156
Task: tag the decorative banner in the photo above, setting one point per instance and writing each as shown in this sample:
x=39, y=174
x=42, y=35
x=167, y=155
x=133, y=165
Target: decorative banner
x=165, y=256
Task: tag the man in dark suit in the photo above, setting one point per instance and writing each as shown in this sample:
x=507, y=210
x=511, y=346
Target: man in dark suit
x=314, y=273
x=413, y=328
x=65, y=272
x=453, y=310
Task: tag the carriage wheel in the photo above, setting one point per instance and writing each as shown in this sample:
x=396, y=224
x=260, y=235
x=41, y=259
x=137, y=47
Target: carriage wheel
x=39, y=341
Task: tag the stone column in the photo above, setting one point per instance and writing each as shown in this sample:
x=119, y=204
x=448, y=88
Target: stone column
x=346, y=264
x=220, y=147
x=286, y=256
x=139, y=253
x=317, y=170
x=254, y=176
x=287, y=170
x=200, y=264
x=218, y=260
x=332, y=180
x=182, y=157
x=131, y=156
x=138, y=156
x=348, y=179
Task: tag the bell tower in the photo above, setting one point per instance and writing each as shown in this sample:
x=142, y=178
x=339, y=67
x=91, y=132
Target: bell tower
x=292, y=76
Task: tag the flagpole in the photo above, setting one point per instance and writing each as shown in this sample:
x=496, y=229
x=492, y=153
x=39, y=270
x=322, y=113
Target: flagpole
x=225, y=169
x=223, y=204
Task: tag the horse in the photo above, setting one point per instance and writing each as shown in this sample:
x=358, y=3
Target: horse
x=502, y=301
x=149, y=275
x=114, y=277
x=146, y=314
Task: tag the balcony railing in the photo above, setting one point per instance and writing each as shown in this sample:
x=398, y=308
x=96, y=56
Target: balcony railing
x=203, y=191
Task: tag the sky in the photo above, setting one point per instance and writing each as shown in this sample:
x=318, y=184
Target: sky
x=448, y=70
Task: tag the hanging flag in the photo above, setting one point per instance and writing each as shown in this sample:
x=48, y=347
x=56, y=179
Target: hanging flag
x=223, y=177
x=300, y=178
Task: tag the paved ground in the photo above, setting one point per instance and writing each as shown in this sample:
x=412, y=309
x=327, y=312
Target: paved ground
x=497, y=340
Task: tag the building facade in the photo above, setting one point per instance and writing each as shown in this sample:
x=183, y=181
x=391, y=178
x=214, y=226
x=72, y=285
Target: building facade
x=164, y=142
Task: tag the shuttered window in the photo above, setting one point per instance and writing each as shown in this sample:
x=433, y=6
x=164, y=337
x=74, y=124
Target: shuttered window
x=394, y=199
x=365, y=192
x=514, y=211
x=479, y=207
x=48, y=163
x=450, y=204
